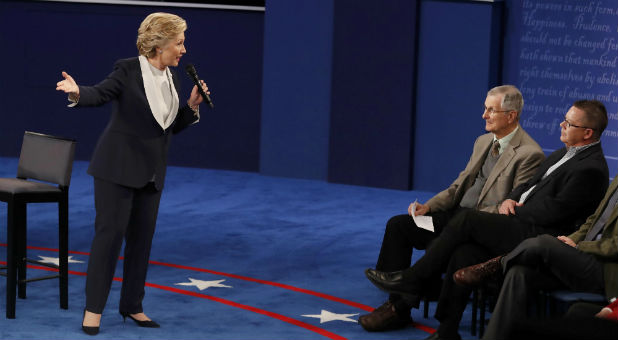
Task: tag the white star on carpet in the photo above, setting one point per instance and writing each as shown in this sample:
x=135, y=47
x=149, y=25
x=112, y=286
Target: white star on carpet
x=56, y=260
x=201, y=285
x=326, y=316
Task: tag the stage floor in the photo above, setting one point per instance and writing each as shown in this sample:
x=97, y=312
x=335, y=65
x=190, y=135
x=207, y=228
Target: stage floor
x=235, y=256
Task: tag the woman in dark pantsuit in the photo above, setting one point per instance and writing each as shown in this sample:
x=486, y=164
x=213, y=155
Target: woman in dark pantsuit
x=129, y=161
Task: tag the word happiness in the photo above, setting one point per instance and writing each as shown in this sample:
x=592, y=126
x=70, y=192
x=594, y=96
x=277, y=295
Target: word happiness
x=568, y=51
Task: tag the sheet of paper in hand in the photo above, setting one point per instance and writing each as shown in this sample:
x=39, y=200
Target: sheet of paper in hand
x=425, y=222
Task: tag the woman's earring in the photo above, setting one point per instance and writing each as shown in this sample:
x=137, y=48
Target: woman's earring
x=160, y=51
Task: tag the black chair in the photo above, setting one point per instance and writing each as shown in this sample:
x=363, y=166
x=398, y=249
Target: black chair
x=42, y=158
x=479, y=302
x=431, y=293
x=486, y=297
x=483, y=298
x=568, y=297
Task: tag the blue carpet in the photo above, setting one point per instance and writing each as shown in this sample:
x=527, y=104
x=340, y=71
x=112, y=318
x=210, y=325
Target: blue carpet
x=274, y=250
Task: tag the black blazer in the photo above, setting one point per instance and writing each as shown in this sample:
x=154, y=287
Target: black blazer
x=133, y=147
x=570, y=194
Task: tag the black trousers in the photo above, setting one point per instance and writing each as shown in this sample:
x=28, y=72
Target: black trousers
x=566, y=329
x=542, y=262
x=584, y=310
x=469, y=237
x=121, y=213
x=401, y=237
x=453, y=298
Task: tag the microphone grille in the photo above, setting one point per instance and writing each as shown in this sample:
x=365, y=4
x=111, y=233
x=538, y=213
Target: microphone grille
x=190, y=69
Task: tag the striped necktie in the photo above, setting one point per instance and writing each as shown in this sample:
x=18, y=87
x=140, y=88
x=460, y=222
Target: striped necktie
x=495, y=148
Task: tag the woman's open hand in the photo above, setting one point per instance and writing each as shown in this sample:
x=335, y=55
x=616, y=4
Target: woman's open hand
x=68, y=85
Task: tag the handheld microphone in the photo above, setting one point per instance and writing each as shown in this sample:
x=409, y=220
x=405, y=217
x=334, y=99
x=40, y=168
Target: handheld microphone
x=193, y=74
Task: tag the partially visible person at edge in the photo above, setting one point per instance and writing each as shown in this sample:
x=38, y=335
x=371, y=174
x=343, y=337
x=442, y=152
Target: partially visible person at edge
x=130, y=159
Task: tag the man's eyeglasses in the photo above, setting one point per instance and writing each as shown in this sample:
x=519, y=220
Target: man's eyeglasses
x=491, y=110
x=568, y=125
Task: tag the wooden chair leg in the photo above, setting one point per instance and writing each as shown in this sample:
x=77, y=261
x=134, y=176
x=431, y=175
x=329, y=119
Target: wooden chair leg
x=63, y=240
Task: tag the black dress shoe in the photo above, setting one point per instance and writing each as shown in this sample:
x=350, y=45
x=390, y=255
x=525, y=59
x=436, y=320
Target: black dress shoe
x=383, y=318
x=474, y=276
x=141, y=323
x=391, y=282
x=388, y=281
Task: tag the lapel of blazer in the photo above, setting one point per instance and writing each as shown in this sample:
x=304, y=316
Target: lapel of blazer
x=139, y=81
x=575, y=159
x=566, y=166
x=176, y=83
x=610, y=192
x=477, y=162
x=505, y=159
x=180, y=105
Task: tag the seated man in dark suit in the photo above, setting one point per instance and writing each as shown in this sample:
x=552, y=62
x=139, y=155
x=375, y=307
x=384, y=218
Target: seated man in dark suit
x=584, y=261
x=566, y=188
x=488, y=177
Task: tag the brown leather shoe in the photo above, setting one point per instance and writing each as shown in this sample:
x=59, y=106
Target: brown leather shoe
x=474, y=276
x=383, y=318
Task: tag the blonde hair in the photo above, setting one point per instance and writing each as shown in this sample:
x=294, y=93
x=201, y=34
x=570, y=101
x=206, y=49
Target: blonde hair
x=157, y=30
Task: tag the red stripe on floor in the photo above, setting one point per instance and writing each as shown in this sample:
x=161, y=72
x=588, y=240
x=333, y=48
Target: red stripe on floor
x=283, y=318
x=239, y=277
x=280, y=317
x=264, y=282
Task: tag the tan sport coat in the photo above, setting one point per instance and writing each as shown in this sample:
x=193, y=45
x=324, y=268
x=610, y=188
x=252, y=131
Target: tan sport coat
x=516, y=165
x=605, y=248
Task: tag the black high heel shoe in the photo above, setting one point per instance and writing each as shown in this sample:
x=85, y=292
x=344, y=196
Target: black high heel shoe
x=90, y=330
x=141, y=323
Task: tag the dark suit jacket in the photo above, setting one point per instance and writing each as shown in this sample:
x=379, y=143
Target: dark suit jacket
x=133, y=147
x=566, y=197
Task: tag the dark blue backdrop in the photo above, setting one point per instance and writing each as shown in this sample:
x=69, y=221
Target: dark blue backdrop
x=459, y=60
x=297, y=88
x=85, y=40
x=365, y=92
x=560, y=52
x=373, y=86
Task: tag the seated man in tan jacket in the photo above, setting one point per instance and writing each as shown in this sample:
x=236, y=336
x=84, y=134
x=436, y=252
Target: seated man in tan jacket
x=501, y=160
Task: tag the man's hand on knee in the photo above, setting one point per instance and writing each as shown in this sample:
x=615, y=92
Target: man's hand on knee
x=508, y=207
x=566, y=240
